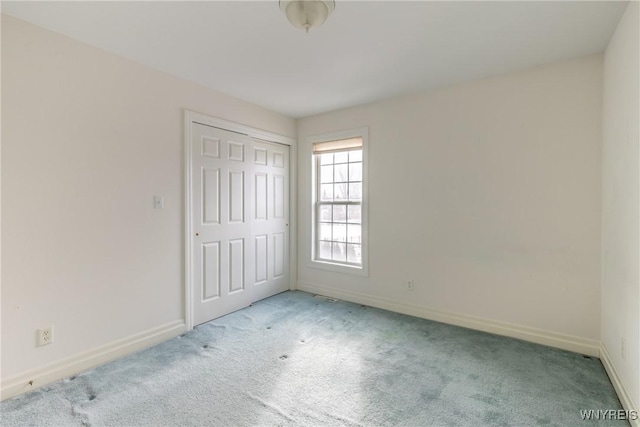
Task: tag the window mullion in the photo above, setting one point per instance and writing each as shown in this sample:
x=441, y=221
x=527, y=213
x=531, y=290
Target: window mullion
x=351, y=203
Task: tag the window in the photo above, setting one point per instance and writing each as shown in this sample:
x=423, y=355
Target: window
x=339, y=192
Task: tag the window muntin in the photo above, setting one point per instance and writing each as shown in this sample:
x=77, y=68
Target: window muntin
x=339, y=189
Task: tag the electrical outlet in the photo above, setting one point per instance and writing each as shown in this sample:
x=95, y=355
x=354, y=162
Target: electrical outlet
x=410, y=285
x=45, y=336
x=158, y=202
x=622, y=349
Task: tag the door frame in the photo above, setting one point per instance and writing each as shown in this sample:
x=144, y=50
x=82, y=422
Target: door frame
x=191, y=117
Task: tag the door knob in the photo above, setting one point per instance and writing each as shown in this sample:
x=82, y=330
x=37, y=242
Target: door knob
x=197, y=234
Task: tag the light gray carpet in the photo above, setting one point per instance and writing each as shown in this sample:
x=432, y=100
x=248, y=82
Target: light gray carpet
x=294, y=359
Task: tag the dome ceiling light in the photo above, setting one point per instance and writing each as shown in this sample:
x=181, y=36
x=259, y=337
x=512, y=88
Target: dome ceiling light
x=307, y=13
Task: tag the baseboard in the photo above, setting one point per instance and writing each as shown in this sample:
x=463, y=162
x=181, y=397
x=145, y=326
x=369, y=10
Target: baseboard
x=618, y=385
x=538, y=336
x=38, y=377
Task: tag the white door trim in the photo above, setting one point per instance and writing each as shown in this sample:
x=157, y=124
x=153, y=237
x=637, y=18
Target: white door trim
x=195, y=117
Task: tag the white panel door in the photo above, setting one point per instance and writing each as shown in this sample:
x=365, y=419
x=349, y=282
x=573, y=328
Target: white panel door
x=270, y=218
x=221, y=225
x=240, y=209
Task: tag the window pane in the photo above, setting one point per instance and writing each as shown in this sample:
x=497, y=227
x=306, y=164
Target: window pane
x=340, y=191
x=326, y=159
x=354, y=233
x=325, y=250
x=354, y=254
x=341, y=157
x=339, y=252
x=339, y=213
x=326, y=174
x=355, y=191
x=339, y=232
x=341, y=173
x=325, y=213
x=355, y=171
x=355, y=156
x=326, y=192
x=324, y=233
x=354, y=214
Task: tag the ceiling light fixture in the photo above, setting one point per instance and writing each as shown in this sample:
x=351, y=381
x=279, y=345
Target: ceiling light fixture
x=307, y=13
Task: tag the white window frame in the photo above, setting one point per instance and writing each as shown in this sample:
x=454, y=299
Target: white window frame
x=362, y=270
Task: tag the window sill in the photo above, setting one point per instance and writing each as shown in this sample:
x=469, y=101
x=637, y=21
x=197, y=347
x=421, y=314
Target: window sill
x=339, y=268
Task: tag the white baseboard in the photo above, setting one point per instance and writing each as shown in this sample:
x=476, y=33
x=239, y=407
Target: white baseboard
x=538, y=336
x=618, y=385
x=38, y=377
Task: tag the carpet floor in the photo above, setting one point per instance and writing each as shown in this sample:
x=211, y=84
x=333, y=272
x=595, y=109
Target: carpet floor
x=293, y=359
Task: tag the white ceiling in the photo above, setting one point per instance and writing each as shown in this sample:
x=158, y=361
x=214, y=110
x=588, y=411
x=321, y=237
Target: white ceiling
x=366, y=51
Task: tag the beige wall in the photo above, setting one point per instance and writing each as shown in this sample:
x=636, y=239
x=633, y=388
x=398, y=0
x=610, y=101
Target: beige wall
x=88, y=138
x=620, y=203
x=487, y=194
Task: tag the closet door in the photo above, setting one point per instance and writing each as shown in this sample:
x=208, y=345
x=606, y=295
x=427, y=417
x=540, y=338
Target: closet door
x=270, y=228
x=221, y=195
x=240, y=219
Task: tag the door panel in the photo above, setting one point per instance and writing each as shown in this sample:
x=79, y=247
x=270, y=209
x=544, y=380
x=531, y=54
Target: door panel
x=210, y=270
x=210, y=196
x=261, y=196
x=278, y=196
x=271, y=231
x=278, y=254
x=236, y=197
x=240, y=211
x=236, y=265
